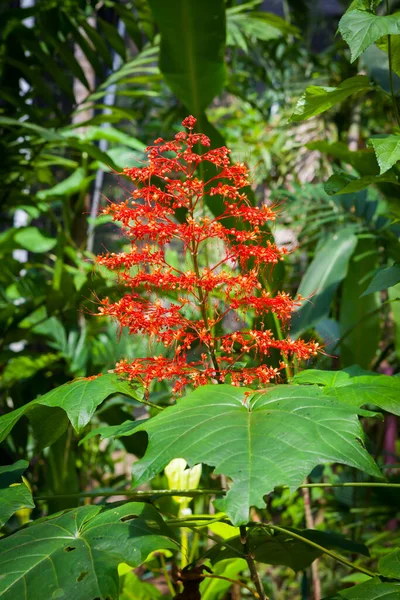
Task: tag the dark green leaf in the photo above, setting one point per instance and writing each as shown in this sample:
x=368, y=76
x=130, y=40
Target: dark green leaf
x=193, y=61
x=360, y=323
x=282, y=548
x=14, y=493
x=389, y=565
x=275, y=439
x=373, y=589
x=322, y=278
x=385, y=278
x=75, y=554
x=344, y=183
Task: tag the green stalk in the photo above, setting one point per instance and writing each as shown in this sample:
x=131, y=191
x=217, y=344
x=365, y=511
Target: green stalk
x=254, y=575
x=392, y=92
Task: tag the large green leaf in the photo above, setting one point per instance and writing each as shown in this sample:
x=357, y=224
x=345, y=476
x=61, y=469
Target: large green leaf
x=322, y=278
x=192, y=61
x=373, y=589
x=387, y=150
x=361, y=28
x=79, y=399
x=282, y=548
x=380, y=390
x=364, y=161
x=14, y=493
x=317, y=100
x=75, y=554
x=385, y=278
x=274, y=439
x=216, y=589
x=359, y=320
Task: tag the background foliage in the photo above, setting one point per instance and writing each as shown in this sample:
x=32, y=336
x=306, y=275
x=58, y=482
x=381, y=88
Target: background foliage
x=84, y=87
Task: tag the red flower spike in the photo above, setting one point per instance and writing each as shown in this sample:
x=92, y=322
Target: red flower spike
x=198, y=295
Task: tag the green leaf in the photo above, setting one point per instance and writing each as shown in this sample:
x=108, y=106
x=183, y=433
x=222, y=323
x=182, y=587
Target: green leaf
x=357, y=390
x=14, y=493
x=32, y=239
x=216, y=589
x=394, y=51
x=317, y=100
x=387, y=150
x=360, y=323
x=389, y=565
x=133, y=588
x=282, y=548
x=94, y=133
x=373, y=589
x=75, y=554
x=361, y=28
x=321, y=279
x=275, y=439
x=385, y=278
x=364, y=161
x=344, y=183
x=112, y=36
x=68, y=186
x=79, y=399
x=114, y=431
x=193, y=61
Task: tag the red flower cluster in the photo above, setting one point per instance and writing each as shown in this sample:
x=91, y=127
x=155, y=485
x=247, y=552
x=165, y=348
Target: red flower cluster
x=187, y=308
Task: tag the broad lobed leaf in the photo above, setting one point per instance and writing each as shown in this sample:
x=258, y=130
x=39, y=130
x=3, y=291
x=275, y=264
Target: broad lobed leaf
x=75, y=554
x=14, y=493
x=274, y=439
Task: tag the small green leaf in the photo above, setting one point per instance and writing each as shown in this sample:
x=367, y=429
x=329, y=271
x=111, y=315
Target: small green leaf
x=344, y=183
x=274, y=439
x=361, y=28
x=14, y=493
x=387, y=150
x=283, y=549
x=79, y=399
x=317, y=100
x=75, y=554
x=354, y=389
x=385, y=278
x=389, y=565
x=322, y=278
x=32, y=239
x=68, y=186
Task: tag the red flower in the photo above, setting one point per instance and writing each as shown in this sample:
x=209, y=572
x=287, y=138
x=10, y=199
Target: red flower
x=185, y=306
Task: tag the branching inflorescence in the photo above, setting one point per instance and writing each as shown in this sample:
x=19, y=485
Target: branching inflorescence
x=187, y=309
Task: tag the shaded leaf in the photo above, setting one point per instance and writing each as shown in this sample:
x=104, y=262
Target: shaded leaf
x=389, y=565
x=385, y=278
x=283, y=549
x=276, y=439
x=360, y=323
x=321, y=279
x=14, y=493
x=373, y=589
x=75, y=554
x=317, y=100
x=344, y=183
x=192, y=62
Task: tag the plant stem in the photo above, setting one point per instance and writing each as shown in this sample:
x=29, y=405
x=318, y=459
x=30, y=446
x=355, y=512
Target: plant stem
x=192, y=493
x=316, y=582
x=392, y=92
x=333, y=555
x=166, y=575
x=255, y=577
